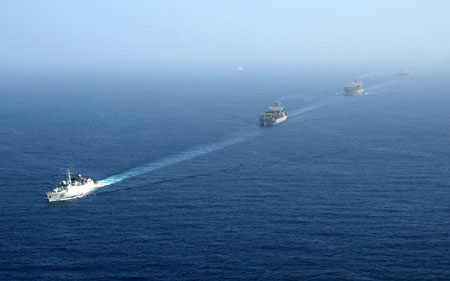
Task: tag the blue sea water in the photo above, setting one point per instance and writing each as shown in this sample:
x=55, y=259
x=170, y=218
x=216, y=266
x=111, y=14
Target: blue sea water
x=349, y=188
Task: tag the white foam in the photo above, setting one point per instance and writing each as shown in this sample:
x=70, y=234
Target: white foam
x=184, y=156
x=382, y=85
x=197, y=151
x=311, y=107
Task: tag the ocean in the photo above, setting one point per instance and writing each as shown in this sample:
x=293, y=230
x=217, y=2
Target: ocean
x=348, y=188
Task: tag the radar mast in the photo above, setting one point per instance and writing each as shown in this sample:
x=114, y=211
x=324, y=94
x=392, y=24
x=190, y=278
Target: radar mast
x=69, y=179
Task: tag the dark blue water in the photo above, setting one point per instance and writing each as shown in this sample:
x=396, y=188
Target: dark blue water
x=348, y=188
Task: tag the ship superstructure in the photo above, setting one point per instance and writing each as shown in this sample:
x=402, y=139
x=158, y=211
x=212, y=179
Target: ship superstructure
x=404, y=72
x=274, y=115
x=356, y=88
x=71, y=188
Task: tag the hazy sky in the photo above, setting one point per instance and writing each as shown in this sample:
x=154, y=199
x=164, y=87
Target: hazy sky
x=105, y=34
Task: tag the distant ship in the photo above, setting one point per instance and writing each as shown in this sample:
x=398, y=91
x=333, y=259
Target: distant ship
x=354, y=89
x=71, y=188
x=404, y=72
x=275, y=115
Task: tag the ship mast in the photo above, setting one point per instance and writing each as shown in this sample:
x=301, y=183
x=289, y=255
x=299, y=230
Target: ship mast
x=69, y=181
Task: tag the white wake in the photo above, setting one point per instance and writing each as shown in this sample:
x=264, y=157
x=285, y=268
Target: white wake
x=198, y=151
x=184, y=156
x=312, y=107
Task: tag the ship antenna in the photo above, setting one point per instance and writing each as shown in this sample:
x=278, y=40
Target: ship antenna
x=68, y=177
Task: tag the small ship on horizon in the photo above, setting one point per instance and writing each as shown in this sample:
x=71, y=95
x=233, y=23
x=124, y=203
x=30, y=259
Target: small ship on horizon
x=404, y=72
x=71, y=188
x=356, y=88
x=274, y=116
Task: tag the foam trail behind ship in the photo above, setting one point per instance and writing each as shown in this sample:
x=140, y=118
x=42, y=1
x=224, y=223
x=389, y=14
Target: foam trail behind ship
x=198, y=151
x=383, y=85
x=184, y=156
x=312, y=107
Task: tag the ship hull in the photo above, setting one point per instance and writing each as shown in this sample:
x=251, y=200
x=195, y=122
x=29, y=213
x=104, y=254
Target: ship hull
x=72, y=192
x=353, y=92
x=272, y=122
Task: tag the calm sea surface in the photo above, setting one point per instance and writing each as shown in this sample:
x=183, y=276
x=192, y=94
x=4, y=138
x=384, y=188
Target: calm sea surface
x=351, y=188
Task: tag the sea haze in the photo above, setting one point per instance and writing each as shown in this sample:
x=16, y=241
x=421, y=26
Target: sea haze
x=351, y=188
